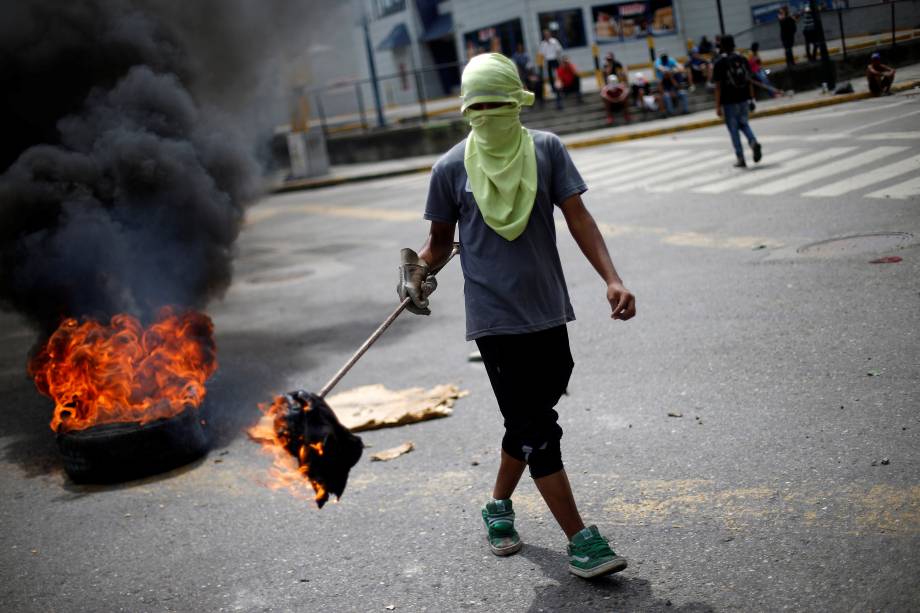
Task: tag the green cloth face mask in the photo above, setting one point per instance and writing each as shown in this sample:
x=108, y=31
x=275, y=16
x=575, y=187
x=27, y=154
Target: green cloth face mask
x=500, y=160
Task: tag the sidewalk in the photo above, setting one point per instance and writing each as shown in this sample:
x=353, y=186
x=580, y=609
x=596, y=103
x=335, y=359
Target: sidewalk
x=908, y=77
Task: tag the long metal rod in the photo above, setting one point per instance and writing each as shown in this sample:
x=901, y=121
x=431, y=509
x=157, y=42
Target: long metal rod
x=377, y=334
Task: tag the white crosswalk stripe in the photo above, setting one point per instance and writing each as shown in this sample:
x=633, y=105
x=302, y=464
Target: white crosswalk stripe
x=623, y=159
x=876, y=175
x=597, y=159
x=758, y=176
x=797, y=179
x=717, y=176
x=704, y=161
x=901, y=191
x=703, y=168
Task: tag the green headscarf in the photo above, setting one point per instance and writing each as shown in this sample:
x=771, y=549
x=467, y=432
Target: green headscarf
x=500, y=160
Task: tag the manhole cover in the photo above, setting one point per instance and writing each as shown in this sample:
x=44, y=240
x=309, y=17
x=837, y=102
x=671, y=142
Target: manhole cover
x=860, y=243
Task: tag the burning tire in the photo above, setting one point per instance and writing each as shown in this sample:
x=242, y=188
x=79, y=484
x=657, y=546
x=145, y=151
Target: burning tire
x=114, y=452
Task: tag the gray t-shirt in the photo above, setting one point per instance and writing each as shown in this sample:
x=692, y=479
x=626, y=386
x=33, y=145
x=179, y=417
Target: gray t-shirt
x=511, y=287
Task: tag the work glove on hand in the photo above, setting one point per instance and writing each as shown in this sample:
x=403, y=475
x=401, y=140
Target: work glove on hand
x=415, y=282
x=751, y=106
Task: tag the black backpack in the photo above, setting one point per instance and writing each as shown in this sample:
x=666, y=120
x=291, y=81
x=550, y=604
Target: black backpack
x=737, y=71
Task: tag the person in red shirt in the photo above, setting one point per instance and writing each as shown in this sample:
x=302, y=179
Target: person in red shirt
x=567, y=79
x=761, y=79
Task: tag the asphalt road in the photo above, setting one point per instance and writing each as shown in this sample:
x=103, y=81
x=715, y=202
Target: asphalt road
x=796, y=374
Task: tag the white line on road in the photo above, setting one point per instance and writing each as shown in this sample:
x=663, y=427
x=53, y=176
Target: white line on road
x=876, y=175
x=901, y=191
x=587, y=165
x=673, y=186
x=906, y=135
x=756, y=176
x=614, y=169
x=703, y=161
x=793, y=180
x=880, y=122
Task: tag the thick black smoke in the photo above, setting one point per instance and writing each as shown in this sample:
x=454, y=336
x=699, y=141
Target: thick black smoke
x=123, y=168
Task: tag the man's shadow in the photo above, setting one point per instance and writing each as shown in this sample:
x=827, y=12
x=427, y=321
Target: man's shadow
x=618, y=592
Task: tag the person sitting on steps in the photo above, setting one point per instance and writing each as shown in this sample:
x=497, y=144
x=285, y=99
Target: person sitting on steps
x=567, y=80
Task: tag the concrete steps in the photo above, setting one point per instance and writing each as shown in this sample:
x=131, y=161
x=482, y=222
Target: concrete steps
x=591, y=115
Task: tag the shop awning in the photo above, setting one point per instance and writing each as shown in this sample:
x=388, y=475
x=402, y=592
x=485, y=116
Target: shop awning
x=398, y=37
x=439, y=28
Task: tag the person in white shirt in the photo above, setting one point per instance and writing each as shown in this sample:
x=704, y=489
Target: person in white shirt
x=551, y=50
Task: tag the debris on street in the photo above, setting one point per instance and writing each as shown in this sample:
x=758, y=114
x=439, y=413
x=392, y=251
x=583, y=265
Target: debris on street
x=392, y=453
x=374, y=406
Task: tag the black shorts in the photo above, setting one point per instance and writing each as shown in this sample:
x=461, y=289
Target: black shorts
x=529, y=373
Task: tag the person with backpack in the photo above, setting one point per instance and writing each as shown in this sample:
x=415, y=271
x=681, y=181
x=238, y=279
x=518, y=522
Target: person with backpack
x=735, y=97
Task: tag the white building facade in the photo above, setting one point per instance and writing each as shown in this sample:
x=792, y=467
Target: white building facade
x=411, y=34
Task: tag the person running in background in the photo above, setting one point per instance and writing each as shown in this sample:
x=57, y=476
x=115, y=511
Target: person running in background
x=501, y=186
x=615, y=96
x=879, y=75
x=810, y=31
x=735, y=97
x=670, y=76
x=551, y=49
x=759, y=73
x=787, y=30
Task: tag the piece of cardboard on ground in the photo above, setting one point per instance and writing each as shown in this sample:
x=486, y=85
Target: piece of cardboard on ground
x=393, y=452
x=374, y=406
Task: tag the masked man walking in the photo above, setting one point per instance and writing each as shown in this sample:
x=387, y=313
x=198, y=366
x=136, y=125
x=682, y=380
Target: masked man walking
x=501, y=186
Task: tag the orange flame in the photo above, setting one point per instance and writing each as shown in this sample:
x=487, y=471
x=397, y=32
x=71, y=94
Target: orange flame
x=287, y=472
x=122, y=372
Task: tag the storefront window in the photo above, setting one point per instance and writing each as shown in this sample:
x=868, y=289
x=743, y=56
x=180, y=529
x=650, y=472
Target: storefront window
x=382, y=8
x=630, y=20
x=499, y=38
x=568, y=26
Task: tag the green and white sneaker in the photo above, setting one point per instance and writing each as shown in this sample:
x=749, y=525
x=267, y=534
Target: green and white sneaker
x=590, y=555
x=499, y=519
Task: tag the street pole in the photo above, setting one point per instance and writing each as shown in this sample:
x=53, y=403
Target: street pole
x=843, y=36
x=381, y=120
x=893, y=35
x=721, y=19
x=826, y=66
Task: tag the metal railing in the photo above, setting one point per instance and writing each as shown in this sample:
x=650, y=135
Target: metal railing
x=409, y=95
x=846, y=28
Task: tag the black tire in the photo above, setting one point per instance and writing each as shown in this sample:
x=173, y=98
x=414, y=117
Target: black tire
x=116, y=452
